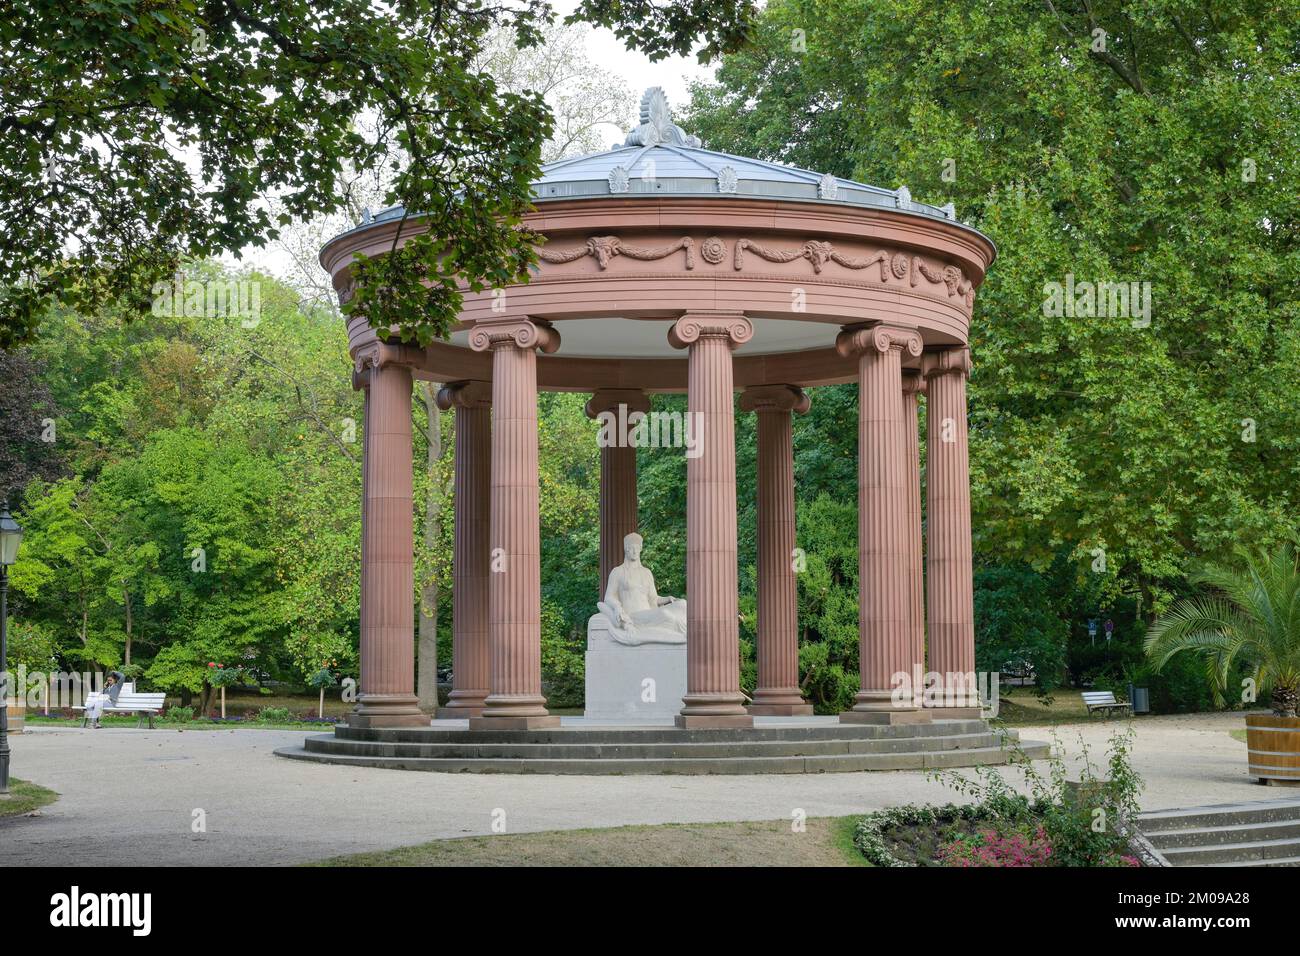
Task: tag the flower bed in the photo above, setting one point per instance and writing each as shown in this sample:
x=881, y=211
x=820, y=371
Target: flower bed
x=1059, y=822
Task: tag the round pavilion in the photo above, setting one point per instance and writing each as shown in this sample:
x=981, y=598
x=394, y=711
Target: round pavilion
x=672, y=268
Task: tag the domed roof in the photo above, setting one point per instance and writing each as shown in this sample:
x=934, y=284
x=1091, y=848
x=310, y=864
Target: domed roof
x=659, y=158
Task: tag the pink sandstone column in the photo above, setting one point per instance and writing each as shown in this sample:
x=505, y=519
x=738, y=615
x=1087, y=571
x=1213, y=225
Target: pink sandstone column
x=470, y=658
x=913, y=387
x=713, y=697
x=950, y=574
x=618, y=496
x=515, y=700
x=777, y=692
x=387, y=687
x=884, y=598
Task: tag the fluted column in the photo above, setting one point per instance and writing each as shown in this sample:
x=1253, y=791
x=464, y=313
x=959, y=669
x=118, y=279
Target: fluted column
x=618, y=496
x=713, y=697
x=913, y=387
x=949, y=569
x=777, y=692
x=884, y=598
x=470, y=657
x=386, y=695
x=515, y=698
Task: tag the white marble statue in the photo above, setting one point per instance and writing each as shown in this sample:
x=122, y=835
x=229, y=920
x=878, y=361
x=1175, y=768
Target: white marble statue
x=636, y=612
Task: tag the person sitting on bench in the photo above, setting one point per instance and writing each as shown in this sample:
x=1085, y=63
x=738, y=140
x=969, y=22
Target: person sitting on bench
x=95, y=703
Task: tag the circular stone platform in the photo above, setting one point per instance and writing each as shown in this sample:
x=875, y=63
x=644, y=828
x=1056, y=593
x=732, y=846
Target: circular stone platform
x=785, y=745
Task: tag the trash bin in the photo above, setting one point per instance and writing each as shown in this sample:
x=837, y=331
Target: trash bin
x=1140, y=698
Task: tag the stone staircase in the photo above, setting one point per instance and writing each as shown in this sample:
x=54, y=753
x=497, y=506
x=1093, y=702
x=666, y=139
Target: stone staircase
x=786, y=749
x=1263, y=833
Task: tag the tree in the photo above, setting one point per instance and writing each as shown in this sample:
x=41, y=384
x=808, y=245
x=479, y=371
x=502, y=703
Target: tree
x=28, y=425
x=1251, y=616
x=101, y=109
x=1092, y=142
x=1017, y=628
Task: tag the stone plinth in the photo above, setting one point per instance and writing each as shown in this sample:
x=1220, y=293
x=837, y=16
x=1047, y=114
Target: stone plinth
x=621, y=677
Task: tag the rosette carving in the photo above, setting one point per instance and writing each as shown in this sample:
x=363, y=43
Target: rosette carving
x=713, y=250
x=896, y=265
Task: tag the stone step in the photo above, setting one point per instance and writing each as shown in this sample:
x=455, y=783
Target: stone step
x=641, y=751
x=1280, y=861
x=828, y=763
x=1229, y=833
x=1252, y=851
x=613, y=735
x=1218, y=815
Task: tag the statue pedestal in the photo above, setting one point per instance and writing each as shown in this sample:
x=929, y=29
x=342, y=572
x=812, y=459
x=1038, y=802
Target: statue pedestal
x=620, y=678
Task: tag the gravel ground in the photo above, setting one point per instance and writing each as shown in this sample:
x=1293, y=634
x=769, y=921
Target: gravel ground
x=138, y=793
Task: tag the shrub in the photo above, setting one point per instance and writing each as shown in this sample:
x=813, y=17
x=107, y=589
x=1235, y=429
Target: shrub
x=178, y=714
x=1061, y=822
x=275, y=715
x=1086, y=820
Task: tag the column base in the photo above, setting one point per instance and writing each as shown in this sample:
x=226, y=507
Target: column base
x=757, y=709
x=463, y=703
x=779, y=702
x=513, y=723
x=462, y=712
x=955, y=713
x=885, y=717
x=384, y=710
x=712, y=721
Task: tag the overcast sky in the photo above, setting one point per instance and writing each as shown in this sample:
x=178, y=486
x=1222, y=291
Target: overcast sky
x=674, y=74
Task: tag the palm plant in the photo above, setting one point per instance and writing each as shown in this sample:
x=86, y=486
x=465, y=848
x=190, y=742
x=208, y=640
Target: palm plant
x=1251, y=615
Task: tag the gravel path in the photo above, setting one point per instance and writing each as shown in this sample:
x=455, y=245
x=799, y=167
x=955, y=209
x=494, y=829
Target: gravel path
x=137, y=792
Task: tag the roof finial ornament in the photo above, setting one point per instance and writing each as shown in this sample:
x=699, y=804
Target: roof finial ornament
x=657, y=124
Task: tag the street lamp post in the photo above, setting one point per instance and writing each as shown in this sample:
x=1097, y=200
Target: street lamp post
x=11, y=535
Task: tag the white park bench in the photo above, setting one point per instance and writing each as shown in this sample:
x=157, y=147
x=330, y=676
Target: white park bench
x=1104, y=700
x=130, y=702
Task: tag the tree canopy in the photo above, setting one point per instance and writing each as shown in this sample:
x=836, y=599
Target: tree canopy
x=139, y=132
x=1107, y=141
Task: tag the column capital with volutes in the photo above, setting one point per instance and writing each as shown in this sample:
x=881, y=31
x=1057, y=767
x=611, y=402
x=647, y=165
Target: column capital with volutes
x=955, y=361
x=775, y=398
x=693, y=326
x=468, y=394
x=878, y=337
x=513, y=332
x=609, y=399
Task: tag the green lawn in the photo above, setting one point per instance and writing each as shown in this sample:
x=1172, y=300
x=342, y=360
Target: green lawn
x=24, y=797
x=825, y=841
x=1019, y=706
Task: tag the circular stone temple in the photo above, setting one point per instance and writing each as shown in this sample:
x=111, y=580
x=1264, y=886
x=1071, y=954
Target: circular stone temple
x=672, y=268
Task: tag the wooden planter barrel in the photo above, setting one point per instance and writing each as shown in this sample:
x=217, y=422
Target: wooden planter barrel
x=1274, y=745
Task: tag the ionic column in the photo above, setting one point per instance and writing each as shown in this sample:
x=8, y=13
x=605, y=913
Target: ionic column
x=387, y=687
x=713, y=697
x=515, y=698
x=777, y=692
x=884, y=598
x=949, y=569
x=913, y=387
x=470, y=657
x=618, y=497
